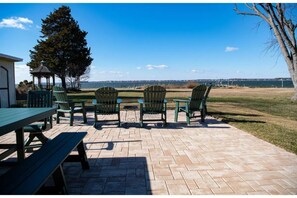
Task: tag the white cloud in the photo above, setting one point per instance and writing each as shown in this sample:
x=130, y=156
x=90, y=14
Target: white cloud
x=194, y=71
x=231, y=49
x=96, y=74
x=15, y=22
x=151, y=67
x=22, y=72
x=138, y=68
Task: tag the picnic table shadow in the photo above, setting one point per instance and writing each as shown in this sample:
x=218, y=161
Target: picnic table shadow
x=109, y=176
x=106, y=176
x=110, y=144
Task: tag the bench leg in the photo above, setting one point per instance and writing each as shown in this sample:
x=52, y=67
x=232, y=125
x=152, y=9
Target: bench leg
x=83, y=156
x=60, y=181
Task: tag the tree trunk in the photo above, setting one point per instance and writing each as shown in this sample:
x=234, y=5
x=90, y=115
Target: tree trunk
x=293, y=73
x=63, y=79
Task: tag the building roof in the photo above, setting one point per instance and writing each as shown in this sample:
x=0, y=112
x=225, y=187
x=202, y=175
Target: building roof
x=10, y=58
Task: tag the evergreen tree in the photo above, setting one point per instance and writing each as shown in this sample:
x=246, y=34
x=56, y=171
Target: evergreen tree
x=62, y=47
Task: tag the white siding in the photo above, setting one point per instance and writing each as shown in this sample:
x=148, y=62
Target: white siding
x=3, y=83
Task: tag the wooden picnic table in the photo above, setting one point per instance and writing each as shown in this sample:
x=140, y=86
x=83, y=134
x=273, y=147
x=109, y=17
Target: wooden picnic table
x=15, y=119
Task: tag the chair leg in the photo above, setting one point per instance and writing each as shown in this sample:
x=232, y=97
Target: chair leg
x=205, y=109
x=51, y=121
x=119, y=117
x=165, y=119
x=71, y=118
x=176, y=112
x=141, y=119
x=84, y=116
x=188, y=118
x=95, y=120
x=202, y=112
x=58, y=117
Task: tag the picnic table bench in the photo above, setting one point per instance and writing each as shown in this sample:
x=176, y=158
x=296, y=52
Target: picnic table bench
x=29, y=176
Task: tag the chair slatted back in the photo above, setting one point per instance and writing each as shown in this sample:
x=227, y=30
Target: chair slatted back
x=61, y=95
x=154, y=98
x=107, y=99
x=39, y=99
x=207, y=92
x=198, y=93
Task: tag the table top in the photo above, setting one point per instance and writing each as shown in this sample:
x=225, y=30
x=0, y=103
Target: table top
x=15, y=118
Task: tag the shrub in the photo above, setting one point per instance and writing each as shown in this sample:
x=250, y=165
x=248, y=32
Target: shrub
x=191, y=84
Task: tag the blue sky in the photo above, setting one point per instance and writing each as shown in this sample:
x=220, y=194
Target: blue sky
x=171, y=41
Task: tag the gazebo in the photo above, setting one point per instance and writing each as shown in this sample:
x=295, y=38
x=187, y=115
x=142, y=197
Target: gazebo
x=43, y=72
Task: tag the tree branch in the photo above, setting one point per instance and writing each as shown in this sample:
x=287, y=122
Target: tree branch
x=244, y=13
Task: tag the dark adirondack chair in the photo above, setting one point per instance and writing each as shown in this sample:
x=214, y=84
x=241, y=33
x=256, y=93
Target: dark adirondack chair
x=38, y=99
x=153, y=102
x=107, y=103
x=195, y=103
x=68, y=106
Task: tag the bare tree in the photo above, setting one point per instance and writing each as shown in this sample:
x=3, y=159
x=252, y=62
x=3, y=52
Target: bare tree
x=280, y=18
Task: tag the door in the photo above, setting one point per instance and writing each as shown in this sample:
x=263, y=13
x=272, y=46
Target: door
x=4, y=88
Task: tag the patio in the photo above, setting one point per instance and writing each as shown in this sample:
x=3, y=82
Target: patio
x=210, y=158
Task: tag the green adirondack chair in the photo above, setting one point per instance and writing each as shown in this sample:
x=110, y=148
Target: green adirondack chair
x=38, y=99
x=68, y=106
x=153, y=102
x=195, y=103
x=107, y=103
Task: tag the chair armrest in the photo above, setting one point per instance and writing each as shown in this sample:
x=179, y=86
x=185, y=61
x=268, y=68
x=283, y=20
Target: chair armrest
x=119, y=101
x=181, y=100
x=165, y=100
x=61, y=102
x=140, y=101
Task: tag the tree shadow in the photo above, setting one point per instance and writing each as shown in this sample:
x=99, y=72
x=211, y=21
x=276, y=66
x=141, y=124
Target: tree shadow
x=228, y=120
x=224, y=117
x=232, y=114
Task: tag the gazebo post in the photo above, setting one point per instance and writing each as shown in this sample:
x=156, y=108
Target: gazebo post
x=39, y=82
x=33, y=82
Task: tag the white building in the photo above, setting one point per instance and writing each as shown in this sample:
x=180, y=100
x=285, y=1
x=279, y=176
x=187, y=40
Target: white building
x=7, y=80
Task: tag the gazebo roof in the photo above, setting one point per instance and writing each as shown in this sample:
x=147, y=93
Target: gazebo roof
x=41, y=71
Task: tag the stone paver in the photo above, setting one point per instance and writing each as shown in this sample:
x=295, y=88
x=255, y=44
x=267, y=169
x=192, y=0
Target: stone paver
x=209, y=159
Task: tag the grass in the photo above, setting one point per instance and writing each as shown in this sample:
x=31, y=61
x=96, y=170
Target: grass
x=270, y=116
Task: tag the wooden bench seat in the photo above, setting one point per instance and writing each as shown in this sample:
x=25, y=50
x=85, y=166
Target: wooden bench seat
x=29, y=176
